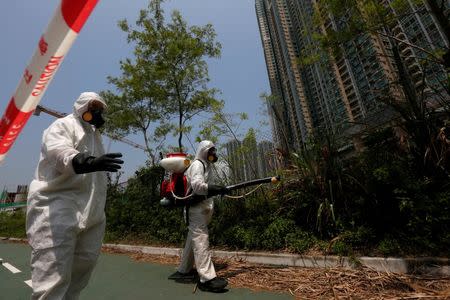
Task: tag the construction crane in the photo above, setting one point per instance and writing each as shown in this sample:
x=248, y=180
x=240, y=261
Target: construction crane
x=58, y=114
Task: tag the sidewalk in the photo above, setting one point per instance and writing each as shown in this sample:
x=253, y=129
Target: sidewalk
x=422, y=265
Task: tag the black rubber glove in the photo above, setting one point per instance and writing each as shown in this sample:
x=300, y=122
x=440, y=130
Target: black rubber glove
x=214, y=190
x=83, y=163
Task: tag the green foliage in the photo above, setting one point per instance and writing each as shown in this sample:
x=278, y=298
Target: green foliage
x=300, y=241
x=341, y=248
x=354, y=241
x=389, y=246
x=275, y=234
x=13, y=224
x=242, y=238
x=319, y=174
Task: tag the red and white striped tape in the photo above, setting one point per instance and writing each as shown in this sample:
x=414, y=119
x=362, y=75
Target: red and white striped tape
x=53, y=45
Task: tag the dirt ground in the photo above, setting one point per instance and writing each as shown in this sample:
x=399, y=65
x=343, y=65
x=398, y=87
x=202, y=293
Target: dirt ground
x=320, y=283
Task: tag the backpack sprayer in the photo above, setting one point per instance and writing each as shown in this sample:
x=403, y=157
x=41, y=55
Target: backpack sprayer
x=174, y=191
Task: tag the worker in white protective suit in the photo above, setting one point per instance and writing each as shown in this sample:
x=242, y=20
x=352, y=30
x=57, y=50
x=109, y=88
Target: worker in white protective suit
x=198, y=216
x=65, y=212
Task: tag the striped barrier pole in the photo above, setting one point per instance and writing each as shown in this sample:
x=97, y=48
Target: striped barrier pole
x=53, y=45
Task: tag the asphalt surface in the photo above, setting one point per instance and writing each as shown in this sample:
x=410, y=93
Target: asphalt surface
x=115, y=277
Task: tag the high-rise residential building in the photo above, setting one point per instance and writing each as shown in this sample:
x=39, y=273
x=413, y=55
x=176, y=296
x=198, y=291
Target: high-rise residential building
x=417, y=26
x=250, y=160
x=267, y=162
x=290, y=117
x=315, y=93
x=235, y=160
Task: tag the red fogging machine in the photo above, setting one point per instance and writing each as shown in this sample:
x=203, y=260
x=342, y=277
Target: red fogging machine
x=174, y=190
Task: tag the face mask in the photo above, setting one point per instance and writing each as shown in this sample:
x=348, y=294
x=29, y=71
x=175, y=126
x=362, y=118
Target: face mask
x=97, y=118
x=212, y=156
x=94, y=117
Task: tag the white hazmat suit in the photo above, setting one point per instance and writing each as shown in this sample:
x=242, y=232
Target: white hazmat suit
x=196, y=249
x=65, y=213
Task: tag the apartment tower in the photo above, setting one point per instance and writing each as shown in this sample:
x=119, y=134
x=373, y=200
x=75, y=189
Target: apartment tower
x=315, y=93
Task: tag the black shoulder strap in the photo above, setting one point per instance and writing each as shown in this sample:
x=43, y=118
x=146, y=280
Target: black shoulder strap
x=203, y=164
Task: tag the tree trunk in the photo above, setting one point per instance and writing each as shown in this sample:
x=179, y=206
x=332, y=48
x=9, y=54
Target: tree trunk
x=149, y=150
x=180, y=137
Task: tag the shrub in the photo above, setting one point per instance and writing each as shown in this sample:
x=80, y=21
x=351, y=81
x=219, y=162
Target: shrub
x=274, y=236
x=300, y=241
x=389, y=246
x=13, y=224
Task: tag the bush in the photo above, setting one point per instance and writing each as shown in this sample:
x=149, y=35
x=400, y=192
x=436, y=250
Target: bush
x=389, y=246
x=13, y=224
x=350, y=242
x=274, y=236
x=300, y=241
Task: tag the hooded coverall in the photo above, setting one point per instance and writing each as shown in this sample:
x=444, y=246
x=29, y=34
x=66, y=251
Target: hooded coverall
x=65, y=212
x=196, y=249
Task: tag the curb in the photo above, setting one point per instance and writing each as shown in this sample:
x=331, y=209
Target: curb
x=426, y=265
x=422, y=265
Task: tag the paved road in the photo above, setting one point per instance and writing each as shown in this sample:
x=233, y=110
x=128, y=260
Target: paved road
x=115, y=277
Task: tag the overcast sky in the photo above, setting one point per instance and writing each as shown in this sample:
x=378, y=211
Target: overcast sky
x=240, y=73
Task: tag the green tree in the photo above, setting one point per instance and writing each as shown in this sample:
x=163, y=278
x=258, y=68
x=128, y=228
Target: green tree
x=184, y=72
x=165, y=80
x=139, y=101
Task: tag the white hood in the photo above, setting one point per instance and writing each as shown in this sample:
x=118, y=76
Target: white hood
x=81, y=104
x=202, y=150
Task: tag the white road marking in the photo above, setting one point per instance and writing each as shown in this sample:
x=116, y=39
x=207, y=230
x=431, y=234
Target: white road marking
x=10, y=267
x=28, y=282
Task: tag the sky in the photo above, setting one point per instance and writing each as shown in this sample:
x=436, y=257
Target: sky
x=240, y=73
